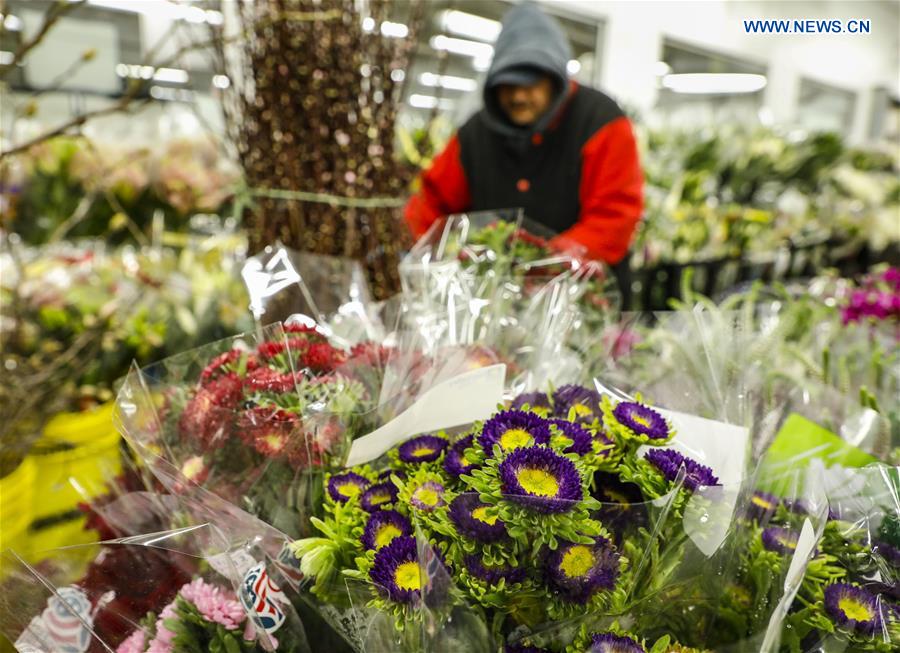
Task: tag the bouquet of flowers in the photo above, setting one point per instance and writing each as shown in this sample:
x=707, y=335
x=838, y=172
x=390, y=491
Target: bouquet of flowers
x=239, y=417
x=492, y=278
x=531, y=527
x=850, y=595
x=184, y=589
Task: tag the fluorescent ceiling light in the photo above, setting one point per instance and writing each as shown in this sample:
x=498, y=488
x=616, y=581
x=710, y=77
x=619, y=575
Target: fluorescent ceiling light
x=171, y=75
x=476, y=27
x=6, y=57
x=481, y=64
x=368, y=24
x=12, y=23
x=573, y=66
x=429, y=102
x=398, y=75
x=450, y=82
x=397, y=30
x=714, y=83
x=661, y=69
x=462, y=46
x=134, y=70
x=221, y=81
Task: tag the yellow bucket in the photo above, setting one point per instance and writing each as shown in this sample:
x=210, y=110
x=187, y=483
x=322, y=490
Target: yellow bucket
x=15, y=505
x=75, y=458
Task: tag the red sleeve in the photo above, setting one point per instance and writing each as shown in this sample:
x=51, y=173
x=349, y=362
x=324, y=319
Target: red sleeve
x=611, y=193
x=443, y=191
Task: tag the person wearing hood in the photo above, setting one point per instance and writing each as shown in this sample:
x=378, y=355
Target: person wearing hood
x=563, y=152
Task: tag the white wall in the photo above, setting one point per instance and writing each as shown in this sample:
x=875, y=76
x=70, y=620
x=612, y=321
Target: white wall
x=635, y=32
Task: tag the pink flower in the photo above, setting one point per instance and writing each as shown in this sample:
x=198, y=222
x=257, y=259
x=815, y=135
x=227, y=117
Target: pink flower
x=162, y=643
x=214, y=604
x=134, y=644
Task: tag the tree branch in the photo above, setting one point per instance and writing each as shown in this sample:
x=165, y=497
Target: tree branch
x=54, y=13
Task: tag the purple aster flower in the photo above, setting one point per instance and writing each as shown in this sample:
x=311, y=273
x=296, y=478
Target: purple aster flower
x=540, y=479
x=585, y=401
x=423, y=449
x=472, y=519
x=578, y=571
x=342, y=487
x=494, y=574
x=580, y=436
x=642, y=420
x=669, y=462
x=888, y=552
x=533, y=399
x=428, y=496
x=395, y=570
x=762, y=506
x=377, y=496
x=455, y=462
x=383, y=527
x=779, y=540
x=610, y=643
x=854, y=608
x=513, y=429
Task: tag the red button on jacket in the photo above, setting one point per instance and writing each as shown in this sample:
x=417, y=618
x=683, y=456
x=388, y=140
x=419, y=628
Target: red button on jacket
x=523, y=185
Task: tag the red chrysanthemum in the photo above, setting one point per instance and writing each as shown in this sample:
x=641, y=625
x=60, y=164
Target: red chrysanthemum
x=271, y=348
x=321, y=357
x=218, y=365
x=267, y=430
x=207, y=416
x=307, y=332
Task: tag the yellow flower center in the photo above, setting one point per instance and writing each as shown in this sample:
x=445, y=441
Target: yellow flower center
x=422, y=451
x=463, y=461
x=855, y=610
x=577, y=561
x=348, y=489
x=538, y=482
x=379, y=498
x=640, y=419
x=514, y=439
x=427, y=496
x=582, y=411
x=788, y=542
x=274, y=442
x=386, y=534
x=762, y=503
x=481, y=515
x=407, y=576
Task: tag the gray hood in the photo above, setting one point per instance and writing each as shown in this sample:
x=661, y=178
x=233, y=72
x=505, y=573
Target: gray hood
x=528, y=38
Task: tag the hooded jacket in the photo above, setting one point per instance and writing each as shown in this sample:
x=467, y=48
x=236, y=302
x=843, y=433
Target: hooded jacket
x=575, y=170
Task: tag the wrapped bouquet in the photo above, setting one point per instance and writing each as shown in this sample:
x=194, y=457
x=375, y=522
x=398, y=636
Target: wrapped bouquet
x=534, y=528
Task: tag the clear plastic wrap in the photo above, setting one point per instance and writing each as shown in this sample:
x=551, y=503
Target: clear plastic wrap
x=330, y=291
x=492, y=279
x=659, y=508
x=182, y=589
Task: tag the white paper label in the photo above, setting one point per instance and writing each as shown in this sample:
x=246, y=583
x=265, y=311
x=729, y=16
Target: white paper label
x=460, y=400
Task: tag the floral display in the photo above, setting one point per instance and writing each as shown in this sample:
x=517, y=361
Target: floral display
x=734, y=192
x=126, y=187
x=510, y=517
